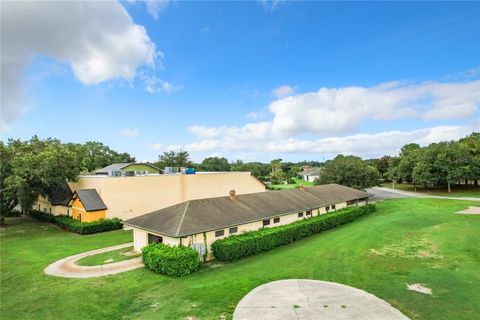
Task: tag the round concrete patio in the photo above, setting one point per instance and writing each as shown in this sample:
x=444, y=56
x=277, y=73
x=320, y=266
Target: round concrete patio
x=315, y=300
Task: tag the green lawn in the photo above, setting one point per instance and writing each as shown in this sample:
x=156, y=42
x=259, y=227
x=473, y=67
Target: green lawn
x=405, y=241
x=108, y=257
x=457, y=190
x=292, y=185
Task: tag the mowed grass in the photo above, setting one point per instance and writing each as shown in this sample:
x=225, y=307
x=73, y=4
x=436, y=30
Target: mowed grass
x=404, y=241
x=457, y=190
x=291, y=185
x=108, y=257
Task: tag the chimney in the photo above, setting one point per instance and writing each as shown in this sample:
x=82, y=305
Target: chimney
x=232, y=194
x=302, y=186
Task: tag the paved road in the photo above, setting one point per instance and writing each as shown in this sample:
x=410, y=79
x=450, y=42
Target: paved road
x=315, y=300
x=381, y=194
x=67, y=268
x=401, y=193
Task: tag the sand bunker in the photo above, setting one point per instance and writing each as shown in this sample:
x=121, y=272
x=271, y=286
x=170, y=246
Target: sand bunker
x=470, y=210
x=418, y=287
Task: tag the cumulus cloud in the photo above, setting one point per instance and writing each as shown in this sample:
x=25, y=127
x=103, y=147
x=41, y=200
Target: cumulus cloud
x=341, y=110
x=283, y=91
x=154, y=84
x=131, y=133
x=98, y=40
x=156, y=146
x=387, y=142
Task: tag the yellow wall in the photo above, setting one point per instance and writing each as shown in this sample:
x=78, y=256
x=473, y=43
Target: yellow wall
x=140, y=237
x=128, y=197
x=78, y=212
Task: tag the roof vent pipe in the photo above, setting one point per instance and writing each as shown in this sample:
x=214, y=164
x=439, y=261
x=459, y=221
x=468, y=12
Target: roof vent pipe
x=232, y=194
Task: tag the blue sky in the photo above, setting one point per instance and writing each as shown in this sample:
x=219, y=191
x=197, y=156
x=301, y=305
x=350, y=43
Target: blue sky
x=245, y=80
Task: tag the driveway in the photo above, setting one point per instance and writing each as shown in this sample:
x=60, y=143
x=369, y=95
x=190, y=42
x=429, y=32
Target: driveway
x=400, y=193
x=384, y=194
x=67, y=268
x=314, y=300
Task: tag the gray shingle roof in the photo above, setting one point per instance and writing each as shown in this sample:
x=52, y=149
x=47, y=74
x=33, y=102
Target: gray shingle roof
x=61, y=195
x=208, y=214
x=112, y=167
x=120, y=166
x=311, y=172
x=90, y=199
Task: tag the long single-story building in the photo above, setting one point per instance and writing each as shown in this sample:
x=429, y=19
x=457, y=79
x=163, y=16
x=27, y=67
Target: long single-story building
x=198, y=223
x=126, y=197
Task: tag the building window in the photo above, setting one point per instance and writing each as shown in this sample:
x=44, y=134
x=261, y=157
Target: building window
x=154, y=239
x=68, y=212
x=309, y=212
x=300, y=214
x=219, y=233
x=233, y=230
x=276, y=220
x=327, y=208
x=333, y=207
x=38, y=207
x=266, y=222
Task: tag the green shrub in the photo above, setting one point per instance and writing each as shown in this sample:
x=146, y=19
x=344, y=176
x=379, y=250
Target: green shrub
x=175, y=261
x=250, y=243
x=73, y=225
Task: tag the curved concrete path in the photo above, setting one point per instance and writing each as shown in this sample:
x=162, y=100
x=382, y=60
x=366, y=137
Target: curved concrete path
x=315, y=300
x=67, y=268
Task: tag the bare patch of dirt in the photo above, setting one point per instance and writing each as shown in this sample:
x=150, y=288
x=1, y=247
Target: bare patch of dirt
x=470, y=210
x=418, y=287
x=409, y=248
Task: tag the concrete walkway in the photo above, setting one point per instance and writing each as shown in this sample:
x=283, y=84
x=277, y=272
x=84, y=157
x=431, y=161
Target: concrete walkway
x=423, y=195
x=315, y=300
x=67, y=268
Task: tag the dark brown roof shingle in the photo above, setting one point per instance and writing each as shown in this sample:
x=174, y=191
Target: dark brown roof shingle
x=208, y=214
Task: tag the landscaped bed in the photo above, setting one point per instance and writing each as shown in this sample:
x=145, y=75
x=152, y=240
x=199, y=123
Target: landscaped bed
x=108, y=257
x=406, y=241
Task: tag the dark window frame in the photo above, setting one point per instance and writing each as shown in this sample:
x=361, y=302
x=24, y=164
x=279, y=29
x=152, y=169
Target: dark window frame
x=232, y=228
x=153, y=238
x=276, y=220
x=266, y=222
x=334, y=207
x=308, y=213
x=219, y=233
x=300, y=214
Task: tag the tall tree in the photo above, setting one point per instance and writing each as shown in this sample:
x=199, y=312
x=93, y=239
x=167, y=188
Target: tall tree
x=35, y=167
x=382, y=166
x=349, y=171
x=471, y=143
x=215, y=164
x=96, y=155
x=174, y=159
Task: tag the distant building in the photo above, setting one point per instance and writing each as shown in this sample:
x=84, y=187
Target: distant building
x=198, y=223
x=122, y=169
x=309, y=174
x=126, y=197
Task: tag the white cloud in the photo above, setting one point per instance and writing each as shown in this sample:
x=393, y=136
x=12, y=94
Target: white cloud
x=270, y=5
x=99, y=40
x=156, y=146
x=131, y=133
x=283, y=91
x=387, y=142
x=156, y=7
x=341, y=110
x=154, y=84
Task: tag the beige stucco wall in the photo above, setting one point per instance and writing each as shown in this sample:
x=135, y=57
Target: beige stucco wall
x=140, y=239
x=128, y=197
x=140, y=236
x=44, y=205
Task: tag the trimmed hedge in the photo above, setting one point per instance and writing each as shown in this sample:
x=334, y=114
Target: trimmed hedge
x=73, y=225
x=254, y=242
x=174, y=261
